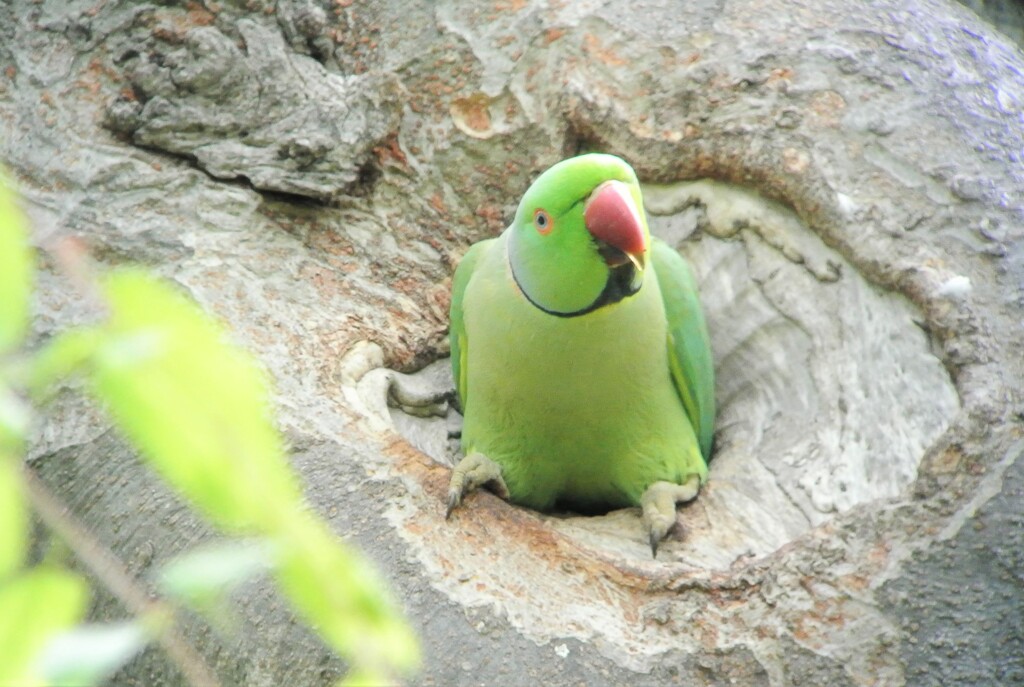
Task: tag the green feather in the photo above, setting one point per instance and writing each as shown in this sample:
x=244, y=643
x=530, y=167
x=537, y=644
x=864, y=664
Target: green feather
x=457, y=329
x=689, y=347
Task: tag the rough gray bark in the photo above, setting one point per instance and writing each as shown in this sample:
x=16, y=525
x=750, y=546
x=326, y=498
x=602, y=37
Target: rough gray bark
x=1005, y=15
x=847, y=180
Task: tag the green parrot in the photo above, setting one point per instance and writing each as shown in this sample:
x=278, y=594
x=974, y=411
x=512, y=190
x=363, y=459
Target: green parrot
x=580, y=355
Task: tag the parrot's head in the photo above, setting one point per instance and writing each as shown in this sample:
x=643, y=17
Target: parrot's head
x=579, y=240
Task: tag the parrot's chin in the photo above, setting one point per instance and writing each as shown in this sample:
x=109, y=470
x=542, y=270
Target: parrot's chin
x=624, y=280
x=625, y=277
x=613, y=257
x=625, y=272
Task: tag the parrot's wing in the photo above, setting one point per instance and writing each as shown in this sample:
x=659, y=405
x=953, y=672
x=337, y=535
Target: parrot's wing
x=457, y=331
x=689, y=348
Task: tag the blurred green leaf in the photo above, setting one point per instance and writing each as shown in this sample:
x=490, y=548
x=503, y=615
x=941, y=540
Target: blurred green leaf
x=16, y=265
x=63, y=355
x=196, y=406
x=202, y=577
x=198, y=410
x=33, y=607
x=360, y=678
x=14, y=420
x=342, y=596
x=89, y=654
x=13, y=517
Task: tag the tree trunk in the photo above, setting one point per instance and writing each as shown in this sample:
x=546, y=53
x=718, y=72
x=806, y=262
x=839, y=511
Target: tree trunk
x=846, y=178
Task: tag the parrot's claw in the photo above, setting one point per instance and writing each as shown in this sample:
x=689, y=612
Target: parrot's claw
x=655, y=539
x=658, y=505
x=454, y=499
x=473, y=472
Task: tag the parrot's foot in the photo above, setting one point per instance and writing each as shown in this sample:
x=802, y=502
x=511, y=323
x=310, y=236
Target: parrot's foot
x=472, y=472
x=658, y=504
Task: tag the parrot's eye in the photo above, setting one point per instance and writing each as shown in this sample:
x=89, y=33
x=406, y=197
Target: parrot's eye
x=542, y=221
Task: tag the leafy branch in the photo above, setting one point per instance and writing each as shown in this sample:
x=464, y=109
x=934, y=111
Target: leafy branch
x=197, y=410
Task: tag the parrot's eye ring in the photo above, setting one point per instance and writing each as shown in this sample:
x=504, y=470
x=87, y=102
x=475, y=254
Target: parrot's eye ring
x=542, y=220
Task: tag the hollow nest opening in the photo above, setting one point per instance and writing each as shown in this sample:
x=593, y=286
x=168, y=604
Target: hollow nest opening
x=828, y=391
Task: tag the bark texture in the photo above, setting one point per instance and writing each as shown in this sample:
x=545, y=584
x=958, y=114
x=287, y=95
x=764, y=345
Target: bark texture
x=846, y=178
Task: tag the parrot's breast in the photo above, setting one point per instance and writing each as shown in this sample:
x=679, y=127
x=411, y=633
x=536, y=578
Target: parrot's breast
x=577, y=411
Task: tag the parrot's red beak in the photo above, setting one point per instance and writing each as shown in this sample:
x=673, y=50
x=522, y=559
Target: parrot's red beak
x=612, y=217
